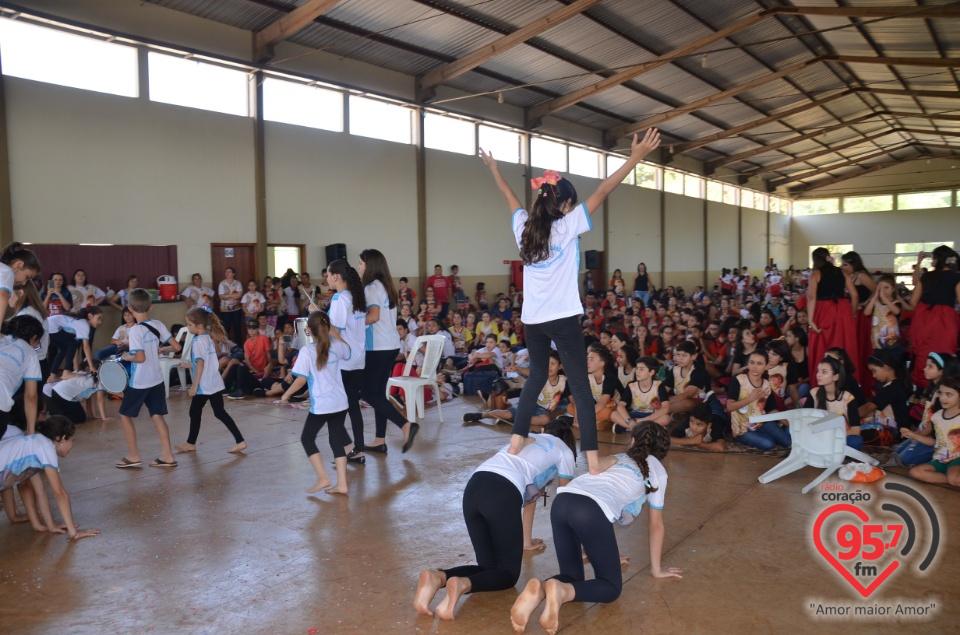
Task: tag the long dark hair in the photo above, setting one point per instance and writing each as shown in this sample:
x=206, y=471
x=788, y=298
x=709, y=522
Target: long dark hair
x=30, y=297
x=23, y=327
x=837, y=367
x=853, y=259
x=376, y=268
x=56, y=427
x=821, y=262
x=562, y=428
x=319, y=326
x=649, y=439
x=535, y=240
x=944, y=257
x=16, y=251
x=354, y=284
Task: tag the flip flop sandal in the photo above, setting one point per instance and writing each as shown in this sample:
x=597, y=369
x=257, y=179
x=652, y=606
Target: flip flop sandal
x=159, y=463
x=125, y=462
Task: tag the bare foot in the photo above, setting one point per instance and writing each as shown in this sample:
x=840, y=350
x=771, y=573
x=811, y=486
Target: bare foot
x=536, y=544
x=456, y=587
x=428, y=584
x=319, y=486
x=20, y=518
x=337, y=489
x=550, y=618
x=186, y=447
x=530, y=598
x=240, y=447
x=624, y=561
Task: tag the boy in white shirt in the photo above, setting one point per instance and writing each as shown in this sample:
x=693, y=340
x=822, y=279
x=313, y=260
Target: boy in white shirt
x=146, y=382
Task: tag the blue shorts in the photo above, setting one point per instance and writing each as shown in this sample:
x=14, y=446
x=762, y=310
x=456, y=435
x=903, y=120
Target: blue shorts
x=153, y=398
x=537, y=411
x=640, y=415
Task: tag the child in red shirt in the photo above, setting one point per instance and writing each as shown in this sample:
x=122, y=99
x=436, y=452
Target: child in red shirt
x=256, y=364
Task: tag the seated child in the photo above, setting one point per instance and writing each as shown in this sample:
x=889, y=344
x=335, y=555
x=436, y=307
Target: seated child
x=686, y=380
x=644, y=399
x=886, y=412
x=500, y=411
x=749, y=394
x=604, y=385
x=704, y=430
x=945, y=467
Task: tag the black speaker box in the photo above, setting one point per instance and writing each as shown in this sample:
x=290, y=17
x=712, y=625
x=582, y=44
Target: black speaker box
x=336, y=251
x=592, y=258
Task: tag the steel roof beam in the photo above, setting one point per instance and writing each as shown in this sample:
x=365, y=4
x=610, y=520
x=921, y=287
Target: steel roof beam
x=934, y=62
x=537, y=113
x=756, y=123
x=287, y=25
x=716, y=163
x=949, y=11
x=942, y=94
x=836, y=166
x=837, y=179
x=818, y=154
x=429, y=81
x=628, y=129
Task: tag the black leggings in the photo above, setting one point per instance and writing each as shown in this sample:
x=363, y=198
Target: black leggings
x=72, y=410
x=216, y=402
x=376, y=372
x=492, y=510
x=352, y=384
x=565, y=333
x=578, y=520
x=63, y=347
x=233, y=325
x=338, y=434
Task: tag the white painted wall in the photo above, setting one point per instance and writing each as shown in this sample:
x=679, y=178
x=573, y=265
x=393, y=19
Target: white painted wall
x=780, y=240
x=634, y=231
x=873, y=235
x=92, y=168
x=753, y=231
x=723, y=239
x=683, y=225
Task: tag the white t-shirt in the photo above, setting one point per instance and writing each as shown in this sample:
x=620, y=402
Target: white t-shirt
x=253, y=302
x=550, y=289
x=268, y=331
x=229, y=287
x=621, y=487
x=7, y=279
x=121, y=334
x=18, y=363
x=381, y=335
x=147, y=374
x=45, y=338
x=448, y=348
x=80, y=328
x=537, y=463
x=75, y=388
x=201, y=296
x=352, y=328
x=209, y=382
x=22, y=456
x=325, y=386
x=291, y=303
x=85, y=296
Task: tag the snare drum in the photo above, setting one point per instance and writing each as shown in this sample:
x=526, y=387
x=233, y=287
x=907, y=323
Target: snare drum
x=303, y=334
x=114, y=375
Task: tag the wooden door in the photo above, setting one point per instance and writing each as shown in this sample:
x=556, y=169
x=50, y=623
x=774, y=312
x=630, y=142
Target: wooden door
x=241, y=256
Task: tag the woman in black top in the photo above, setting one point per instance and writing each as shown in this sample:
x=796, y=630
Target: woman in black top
x=831, y=314
x=642, y=285
x=863, y=282
x=935, y=322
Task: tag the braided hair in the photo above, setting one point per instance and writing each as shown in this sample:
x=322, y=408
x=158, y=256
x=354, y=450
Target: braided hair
x=649, y=439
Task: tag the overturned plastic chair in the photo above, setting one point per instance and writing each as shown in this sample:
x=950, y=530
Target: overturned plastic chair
x=414, y=387
x=819, y=439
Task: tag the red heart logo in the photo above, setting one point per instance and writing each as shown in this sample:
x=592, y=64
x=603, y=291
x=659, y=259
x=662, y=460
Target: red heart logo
x=829, y=557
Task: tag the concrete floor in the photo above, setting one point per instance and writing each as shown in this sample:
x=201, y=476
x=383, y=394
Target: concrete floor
x=234, y=544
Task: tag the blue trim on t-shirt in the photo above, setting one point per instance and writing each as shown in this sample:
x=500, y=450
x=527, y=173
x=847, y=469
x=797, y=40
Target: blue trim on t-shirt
x=7, y=290
x=589, y=220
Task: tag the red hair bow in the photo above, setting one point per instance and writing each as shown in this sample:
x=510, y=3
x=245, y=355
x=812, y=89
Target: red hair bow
x=549, y=176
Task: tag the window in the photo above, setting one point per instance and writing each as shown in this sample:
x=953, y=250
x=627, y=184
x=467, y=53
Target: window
x=760, y=201
x=835, y=250
x=48, y=55
x=746, y=198
x=925, y=200
x=584, y=162
x=647, y=176
x=731, y=194
x=906, y=256
x=614, y=163
x=380, y=120
x=854, y=204
x=819, y=206
x=302, y=105
x=693, y=186
x=189, y=82
x=672, y=182
x=450, y=134
x=283, y=257
x=715, y=191
x=549, y=155
x=504, y=145
x=779, y=205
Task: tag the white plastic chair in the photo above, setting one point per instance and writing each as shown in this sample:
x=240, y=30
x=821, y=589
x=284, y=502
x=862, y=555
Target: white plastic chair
x=166, y=363
x=819, y=439
x=413, y=387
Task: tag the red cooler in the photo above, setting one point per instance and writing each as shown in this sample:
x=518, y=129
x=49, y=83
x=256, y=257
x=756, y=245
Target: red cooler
x=168, y=288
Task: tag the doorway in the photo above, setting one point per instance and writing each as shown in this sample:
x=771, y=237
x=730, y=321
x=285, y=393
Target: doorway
x=241, y=256
x=283, y=257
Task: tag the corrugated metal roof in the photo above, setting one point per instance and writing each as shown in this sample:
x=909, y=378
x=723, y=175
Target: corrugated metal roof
x=421, y=35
